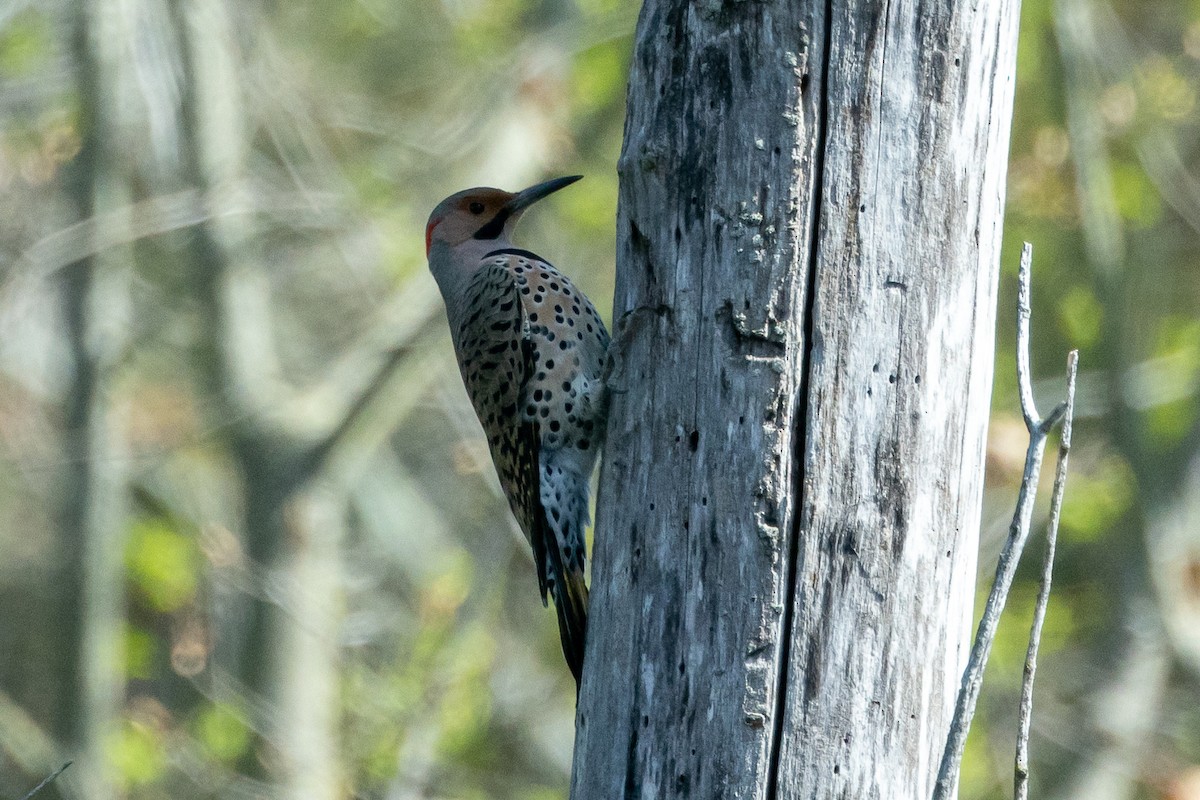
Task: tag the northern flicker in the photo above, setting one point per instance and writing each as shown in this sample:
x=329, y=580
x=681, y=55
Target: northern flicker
x=531, y=349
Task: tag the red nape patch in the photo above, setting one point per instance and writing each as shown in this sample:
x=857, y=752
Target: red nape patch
x=429, y=235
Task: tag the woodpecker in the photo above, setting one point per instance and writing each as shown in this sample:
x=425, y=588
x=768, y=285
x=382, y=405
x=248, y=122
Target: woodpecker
x=531, y=350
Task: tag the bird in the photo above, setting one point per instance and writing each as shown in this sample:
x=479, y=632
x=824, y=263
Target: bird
x=532, y=351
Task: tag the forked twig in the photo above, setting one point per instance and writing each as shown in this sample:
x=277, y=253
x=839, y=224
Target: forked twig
x=1018, y=533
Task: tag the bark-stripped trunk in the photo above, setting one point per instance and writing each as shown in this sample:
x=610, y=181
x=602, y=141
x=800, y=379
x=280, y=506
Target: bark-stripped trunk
x=808, y=239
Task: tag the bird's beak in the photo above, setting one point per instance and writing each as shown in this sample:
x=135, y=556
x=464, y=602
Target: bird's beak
x=527, y=197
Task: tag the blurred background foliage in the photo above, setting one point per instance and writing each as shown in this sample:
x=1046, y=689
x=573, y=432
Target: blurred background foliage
x=252, y=544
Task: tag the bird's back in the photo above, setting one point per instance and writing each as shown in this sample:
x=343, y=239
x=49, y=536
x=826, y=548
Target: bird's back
x=539, y=359
x=532, y=351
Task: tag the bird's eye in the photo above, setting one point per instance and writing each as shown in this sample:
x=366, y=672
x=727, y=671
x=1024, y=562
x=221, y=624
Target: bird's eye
x=476, y=207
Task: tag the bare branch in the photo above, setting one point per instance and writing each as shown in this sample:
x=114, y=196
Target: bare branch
x=320, y=452
x=48, y=780
x=1018, y=533
x=154, y=216
x=314, y=412
x=1025, y=713
x=1024, y=311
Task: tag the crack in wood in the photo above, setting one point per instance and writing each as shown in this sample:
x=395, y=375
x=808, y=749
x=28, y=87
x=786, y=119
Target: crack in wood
x=800, y=438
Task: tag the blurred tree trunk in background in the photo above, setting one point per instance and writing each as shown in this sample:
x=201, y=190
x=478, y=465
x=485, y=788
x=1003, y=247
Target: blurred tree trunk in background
x=808, y=238
x=87, y=592
x=277, y=649
x=277, y=644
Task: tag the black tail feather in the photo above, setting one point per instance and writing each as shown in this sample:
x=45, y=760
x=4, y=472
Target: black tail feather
x=570, y=593
x=571, y=605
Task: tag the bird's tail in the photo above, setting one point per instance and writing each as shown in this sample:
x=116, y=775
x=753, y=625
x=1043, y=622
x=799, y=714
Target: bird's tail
x=571, y=604
x=563, y=493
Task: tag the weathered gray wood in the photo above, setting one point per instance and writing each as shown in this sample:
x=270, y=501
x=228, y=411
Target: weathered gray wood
x=808, y=238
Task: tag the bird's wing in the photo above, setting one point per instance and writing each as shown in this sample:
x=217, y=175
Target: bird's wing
x=498, y=357
x=495, y=357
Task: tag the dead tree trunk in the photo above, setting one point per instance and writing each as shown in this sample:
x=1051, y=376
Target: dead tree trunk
x=808, y=238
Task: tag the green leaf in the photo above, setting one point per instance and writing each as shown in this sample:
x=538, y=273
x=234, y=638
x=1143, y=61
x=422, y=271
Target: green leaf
x=162, y=564
x=1137, y=199
x=1080, y=316
x=223, y=732
x=24, y=43
x=140, y=649
x=1094, y=499
x=136, y=751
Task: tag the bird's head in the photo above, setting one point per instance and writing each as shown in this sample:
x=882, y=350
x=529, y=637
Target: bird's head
x=483, y=214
